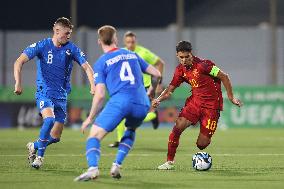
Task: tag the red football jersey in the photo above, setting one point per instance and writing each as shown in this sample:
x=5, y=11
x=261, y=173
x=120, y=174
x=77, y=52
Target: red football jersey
x=206, y=89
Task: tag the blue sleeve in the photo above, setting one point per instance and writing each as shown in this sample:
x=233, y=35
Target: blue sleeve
x=79, y=56
x=99, y=72
x=33, y=50
x=143, y=64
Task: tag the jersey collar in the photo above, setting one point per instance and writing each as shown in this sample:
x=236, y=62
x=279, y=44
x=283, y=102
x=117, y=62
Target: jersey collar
x=113, y=49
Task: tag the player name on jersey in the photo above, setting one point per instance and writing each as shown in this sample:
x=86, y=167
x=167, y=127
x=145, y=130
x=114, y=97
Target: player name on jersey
x=120, y=57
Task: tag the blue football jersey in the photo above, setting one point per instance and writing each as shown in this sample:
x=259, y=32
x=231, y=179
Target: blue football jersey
x=121, y=71
x=54, y=66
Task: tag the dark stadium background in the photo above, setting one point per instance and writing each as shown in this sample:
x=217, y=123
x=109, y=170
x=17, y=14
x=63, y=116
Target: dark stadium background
x=37, y=15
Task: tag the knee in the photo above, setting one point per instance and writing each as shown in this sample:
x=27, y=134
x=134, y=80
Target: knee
x=97, y=135
x=181, y=124
x=97, y=132
x=202, y=144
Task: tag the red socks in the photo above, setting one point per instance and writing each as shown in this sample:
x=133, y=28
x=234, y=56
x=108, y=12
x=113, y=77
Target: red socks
x=173, y=143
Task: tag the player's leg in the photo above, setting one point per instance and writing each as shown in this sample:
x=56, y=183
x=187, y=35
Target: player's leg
x=149, y=117
x=203, y=141
x=173, y=142
x=93, y=145
x=106, y=122
x=60, y=112
x=153, y=117
x=48, y=122
x=55, y=135
x=93, y=153
x=180, y=125
x=60, y=107
x=124, y=147
x=133, y=120
x=155, y=121
x=189, y=115
x=120, y=131
x=208, y=126
x=46, y=107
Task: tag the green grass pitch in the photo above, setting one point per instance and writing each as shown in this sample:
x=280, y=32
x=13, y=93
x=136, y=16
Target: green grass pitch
x=242, y=158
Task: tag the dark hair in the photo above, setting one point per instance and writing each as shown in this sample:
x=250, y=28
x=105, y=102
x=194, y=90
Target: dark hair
x=106, y=34
x=65, y=22
x=129, y=34
x=183, y=46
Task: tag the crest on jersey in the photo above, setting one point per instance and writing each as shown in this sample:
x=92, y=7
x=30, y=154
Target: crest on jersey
x=195, y=73
x=82, y=54
x=68, y=52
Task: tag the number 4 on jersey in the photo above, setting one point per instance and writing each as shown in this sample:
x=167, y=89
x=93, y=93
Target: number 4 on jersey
x=125, y=67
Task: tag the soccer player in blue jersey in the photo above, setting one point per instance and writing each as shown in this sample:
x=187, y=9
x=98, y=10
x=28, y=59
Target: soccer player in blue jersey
x=54, y=66
x=120, y=72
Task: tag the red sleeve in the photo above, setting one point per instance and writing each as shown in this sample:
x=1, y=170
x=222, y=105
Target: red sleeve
x=178, y=77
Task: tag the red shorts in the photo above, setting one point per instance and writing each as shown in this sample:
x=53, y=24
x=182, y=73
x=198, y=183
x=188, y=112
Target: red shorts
x=208, y=118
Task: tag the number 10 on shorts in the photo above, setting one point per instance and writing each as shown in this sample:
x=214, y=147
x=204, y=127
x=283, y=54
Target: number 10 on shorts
x=211, y=125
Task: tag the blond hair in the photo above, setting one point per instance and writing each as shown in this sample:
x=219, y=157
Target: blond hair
x=106, y=34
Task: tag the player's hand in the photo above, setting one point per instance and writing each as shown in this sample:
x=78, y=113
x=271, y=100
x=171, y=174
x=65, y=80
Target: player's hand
x=85, y=124
x=155, y=103
x=237, y=102
x=18, y=89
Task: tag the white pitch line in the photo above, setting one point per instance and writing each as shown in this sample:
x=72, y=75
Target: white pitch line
x=140, y=155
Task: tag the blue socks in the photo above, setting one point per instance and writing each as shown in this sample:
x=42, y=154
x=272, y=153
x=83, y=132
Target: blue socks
x=124, y=146
x=44, y=135
x=93, y=152
x=51, y=140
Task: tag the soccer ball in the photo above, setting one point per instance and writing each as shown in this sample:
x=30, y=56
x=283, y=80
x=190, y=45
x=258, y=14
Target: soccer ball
x=201, y=161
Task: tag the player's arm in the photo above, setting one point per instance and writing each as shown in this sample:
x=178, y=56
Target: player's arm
x=97, y=103
x=154, y=72
x=155, y=79
x=164, y=95
x=90, y=74
x=176, y=81
x=160, y=64
x=215, y=71
x=153, y=59
x=80, y=58
x=23, y=58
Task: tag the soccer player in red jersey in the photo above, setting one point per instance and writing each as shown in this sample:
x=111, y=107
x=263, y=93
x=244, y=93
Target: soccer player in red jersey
x=205, y=103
